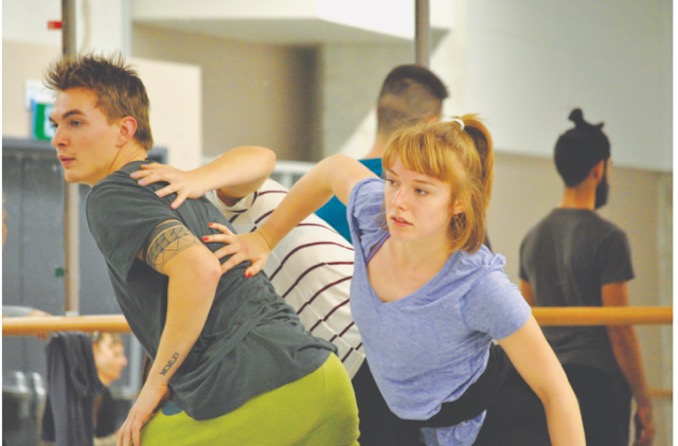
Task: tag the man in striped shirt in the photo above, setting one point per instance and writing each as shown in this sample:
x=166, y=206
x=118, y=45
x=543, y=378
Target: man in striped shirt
x=311, y=269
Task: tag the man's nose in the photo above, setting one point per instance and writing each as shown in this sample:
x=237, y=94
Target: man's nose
x=58, y=137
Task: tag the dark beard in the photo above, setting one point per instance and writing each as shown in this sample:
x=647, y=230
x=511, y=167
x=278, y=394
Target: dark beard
x=602, y=191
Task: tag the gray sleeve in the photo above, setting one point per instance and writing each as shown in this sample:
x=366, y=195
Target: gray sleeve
x=616, y=259
x=16, y=311
x=121, y=215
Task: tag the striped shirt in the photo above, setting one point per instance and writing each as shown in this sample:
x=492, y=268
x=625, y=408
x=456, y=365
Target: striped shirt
x=311, y=268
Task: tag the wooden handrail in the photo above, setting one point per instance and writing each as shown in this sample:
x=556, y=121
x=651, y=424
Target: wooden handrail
x=663, y=394
x=23, y=326
x=559, y=316
x=630, y=315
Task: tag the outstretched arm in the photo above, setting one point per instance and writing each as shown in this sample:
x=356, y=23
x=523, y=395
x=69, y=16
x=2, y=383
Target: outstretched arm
x=193, y=274
x=335, y=175
x=234, y=174
x=626, y=350
x=534, y=359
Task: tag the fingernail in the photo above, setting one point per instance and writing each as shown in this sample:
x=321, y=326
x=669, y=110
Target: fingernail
x=248, y=274
x=205, y=238
x=210, y=224
x=142, y=182
x=133, y=175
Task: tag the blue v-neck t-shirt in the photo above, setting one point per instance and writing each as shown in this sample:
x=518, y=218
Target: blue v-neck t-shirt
x=430, y=346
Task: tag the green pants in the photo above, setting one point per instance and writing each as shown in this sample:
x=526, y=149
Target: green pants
x=318, y=409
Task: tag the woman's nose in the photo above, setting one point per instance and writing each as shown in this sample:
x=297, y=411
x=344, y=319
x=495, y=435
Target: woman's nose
x=398, y=199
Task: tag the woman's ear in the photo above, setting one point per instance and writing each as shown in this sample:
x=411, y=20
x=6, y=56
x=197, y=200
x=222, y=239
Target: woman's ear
x=128, y=128
x=457, y=208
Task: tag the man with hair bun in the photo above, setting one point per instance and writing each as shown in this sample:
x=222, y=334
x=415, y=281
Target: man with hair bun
x=573, y=257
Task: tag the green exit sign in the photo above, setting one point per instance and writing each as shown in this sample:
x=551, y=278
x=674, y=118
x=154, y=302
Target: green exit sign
x=42, y=128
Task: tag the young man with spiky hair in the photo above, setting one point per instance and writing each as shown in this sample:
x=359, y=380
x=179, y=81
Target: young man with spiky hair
x=235, y=361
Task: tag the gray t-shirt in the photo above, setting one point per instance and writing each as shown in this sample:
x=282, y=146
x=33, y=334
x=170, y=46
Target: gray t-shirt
x=252, y=341
x=567, y=258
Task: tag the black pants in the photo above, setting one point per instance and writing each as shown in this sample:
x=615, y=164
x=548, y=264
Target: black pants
x=515, y=417
x=605, y=403
x=378, y=425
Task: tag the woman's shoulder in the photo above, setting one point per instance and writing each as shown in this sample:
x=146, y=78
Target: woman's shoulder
x=482, y=259
x=369, y=186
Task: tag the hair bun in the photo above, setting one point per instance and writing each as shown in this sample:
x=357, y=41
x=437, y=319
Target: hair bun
x=577, y=116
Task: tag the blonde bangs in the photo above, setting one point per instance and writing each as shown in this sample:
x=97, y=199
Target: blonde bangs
x=422, y=150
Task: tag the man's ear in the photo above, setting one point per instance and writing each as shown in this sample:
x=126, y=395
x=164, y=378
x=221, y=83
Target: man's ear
x=432, y=119
x=598, y=170
x=128, y=128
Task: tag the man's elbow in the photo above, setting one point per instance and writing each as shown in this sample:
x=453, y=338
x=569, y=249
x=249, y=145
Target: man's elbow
x=201, y=272
x=209, y=271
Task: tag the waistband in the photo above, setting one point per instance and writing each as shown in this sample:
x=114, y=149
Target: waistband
x=477, y=397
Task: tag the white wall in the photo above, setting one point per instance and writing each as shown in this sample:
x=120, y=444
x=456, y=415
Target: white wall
x=26, y=21
x=529, y=63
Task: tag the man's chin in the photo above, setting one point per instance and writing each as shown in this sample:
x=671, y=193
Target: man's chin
x=72, y=178
x=69, y=177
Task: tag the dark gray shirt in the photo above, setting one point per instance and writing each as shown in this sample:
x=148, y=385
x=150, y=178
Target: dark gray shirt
x=252, y=341
x=72, y=385
x=567, y=258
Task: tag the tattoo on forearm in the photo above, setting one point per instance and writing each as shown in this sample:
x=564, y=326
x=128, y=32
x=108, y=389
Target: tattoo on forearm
x=169, y=364
x=167, y=240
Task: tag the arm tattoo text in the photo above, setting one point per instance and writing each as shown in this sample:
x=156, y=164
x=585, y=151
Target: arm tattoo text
x=169, y=364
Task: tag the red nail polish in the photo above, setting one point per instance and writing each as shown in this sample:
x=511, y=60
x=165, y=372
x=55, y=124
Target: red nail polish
x=248, y=274
x=205, y=238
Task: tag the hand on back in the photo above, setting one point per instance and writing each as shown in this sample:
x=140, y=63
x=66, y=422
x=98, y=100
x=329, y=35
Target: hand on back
x=186, y=184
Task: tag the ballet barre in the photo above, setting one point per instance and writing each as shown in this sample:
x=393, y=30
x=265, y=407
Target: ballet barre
x=551, y=316
x=26, y=326
x=630, y=315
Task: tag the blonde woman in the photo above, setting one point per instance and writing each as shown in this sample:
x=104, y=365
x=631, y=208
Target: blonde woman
x=429, y=299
